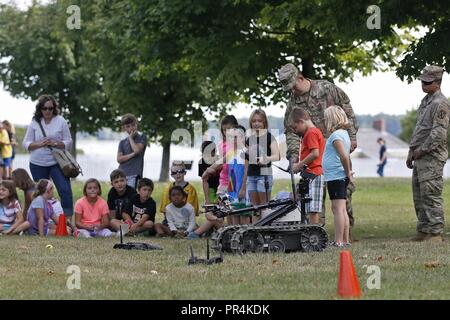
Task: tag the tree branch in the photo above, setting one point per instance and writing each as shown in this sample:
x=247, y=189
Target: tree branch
x=272, y=31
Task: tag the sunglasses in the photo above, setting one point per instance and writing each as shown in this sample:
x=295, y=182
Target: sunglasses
x=427, y=83
x=47, y=108
x=178, y=172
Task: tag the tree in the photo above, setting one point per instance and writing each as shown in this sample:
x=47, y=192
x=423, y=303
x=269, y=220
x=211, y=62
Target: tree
x=408, y=124
x=146, y=71
x=39, y=55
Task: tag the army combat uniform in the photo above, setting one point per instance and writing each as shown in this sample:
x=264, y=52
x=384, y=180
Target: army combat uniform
x=430, y=135
x=321, y=95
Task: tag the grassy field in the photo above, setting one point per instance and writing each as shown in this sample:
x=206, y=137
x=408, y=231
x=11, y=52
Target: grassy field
x=385, y=220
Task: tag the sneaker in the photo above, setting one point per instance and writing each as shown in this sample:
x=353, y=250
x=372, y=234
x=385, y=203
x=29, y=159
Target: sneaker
x=336, y=244
x=125, y=229
x=347, y=244
x=434, y=238
x=420, y=236
x=192, y=236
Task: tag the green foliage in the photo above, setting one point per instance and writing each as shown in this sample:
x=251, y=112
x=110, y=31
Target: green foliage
x=408, y=124
x=40, y=55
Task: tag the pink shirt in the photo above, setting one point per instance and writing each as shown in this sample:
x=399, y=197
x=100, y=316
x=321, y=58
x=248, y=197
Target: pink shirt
x=91, y=214
x=223, y=178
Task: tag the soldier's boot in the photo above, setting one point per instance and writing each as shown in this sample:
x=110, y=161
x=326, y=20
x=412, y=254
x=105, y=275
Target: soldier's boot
x=420, y=236
x=435, y=238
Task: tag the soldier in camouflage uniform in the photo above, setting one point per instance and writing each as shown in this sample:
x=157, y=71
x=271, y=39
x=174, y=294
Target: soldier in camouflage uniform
x=427, y=156
x=315, y=96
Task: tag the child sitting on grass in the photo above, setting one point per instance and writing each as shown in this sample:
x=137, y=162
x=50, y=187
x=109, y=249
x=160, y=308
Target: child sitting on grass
x=11, y=216
x=92, y=213
x=24, y=182
x=140, y=211
x=180, y=215
x=178, y=172
x=40, y=211
x=337, y=171
x=119, y=198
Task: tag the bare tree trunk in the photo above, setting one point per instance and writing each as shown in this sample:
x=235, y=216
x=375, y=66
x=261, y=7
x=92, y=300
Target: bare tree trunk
x=73, y=133
x=308, y=68
x=165, y=163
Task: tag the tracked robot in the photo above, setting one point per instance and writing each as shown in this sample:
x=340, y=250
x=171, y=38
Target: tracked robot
x=284, y=227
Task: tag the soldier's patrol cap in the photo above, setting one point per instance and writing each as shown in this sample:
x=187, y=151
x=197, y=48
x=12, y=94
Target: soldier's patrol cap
x=431, y=73
x=287, y=76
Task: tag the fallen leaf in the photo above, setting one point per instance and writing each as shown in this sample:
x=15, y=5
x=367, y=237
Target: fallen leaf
x=274, y=261
x=380, y=258
x=50, y=272
x=396, y=259
x=432, y=264
x=365, y=256
x=154, y=272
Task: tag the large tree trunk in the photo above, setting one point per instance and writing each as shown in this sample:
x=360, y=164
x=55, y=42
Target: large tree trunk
x=73, y=133
x=308, y=68
x=165, y=163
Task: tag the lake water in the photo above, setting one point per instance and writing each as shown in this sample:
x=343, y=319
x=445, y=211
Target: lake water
x=100, y=159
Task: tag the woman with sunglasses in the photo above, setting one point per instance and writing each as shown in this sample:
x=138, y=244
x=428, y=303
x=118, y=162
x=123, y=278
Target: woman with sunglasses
x=43, y=165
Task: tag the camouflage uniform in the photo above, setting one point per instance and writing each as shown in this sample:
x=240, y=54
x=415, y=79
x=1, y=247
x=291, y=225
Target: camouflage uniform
x=430, y=135
x=321, y=95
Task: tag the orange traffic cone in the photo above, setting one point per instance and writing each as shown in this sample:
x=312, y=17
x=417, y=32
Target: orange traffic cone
x=348, y=286
x=61, y=229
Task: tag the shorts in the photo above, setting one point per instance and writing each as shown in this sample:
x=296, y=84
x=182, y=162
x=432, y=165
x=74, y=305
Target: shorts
x=6, y=226
x=212, y=193
x=337, y=189
x=241, y=205
x=7, y=162
x=258, y=184
x=222, y=189
x=133, y=180
x=316, y=194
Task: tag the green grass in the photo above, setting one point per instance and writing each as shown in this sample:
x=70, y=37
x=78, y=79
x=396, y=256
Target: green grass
x=385, y=220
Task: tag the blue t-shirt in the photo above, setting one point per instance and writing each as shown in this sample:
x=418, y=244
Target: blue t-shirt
x=331, y=163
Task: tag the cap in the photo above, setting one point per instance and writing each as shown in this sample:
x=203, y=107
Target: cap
x=431, y=73
x=287, y=76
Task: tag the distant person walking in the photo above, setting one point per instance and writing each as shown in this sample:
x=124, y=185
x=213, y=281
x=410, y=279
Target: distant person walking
x=427, y=156
x=383, y=157
x=9, y=127
x=43, y=164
